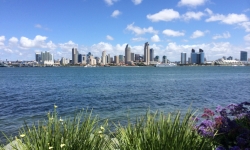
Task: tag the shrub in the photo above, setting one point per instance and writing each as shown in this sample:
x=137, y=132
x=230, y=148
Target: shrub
x=158, y=132
x=230, y=128
x=81, y=132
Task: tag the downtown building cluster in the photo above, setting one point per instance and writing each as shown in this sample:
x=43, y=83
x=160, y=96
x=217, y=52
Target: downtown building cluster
x=129, y=58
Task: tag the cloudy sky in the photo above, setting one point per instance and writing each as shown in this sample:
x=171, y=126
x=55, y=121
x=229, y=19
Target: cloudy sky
x=219, y=27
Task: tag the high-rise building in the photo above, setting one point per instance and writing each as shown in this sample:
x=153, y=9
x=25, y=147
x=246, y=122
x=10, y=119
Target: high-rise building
x=183, y=58
x=98, y=60
x=132, y=56
x=137, y=57
x=108, y=59
x=157, y=58
x=146, y=53
x=47, y=58
x=121, y=59
x=74, y=56
x=230, y=58
x=151, y=54
x=84, y=59
x=64, y=61
x=80, y=60
x=193, y=57
x=201, y=58
x=197, y=58
x=164, y=59
x=104, y=57
x=116, y=59
x=243, y=56
x=38, y=57
x=127, y=54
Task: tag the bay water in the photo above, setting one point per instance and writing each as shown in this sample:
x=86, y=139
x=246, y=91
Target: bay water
x=27, y=94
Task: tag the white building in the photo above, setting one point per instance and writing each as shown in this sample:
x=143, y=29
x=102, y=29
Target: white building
x=104, y=57
x=47, y=59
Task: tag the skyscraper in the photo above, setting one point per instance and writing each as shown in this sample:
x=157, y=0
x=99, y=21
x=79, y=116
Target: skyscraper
x=164, y=59
x=74, y=56
x=197, y=58
x=127, y=54
x=104, y=57
x=132, y=56
x=38, y=57
x=201, y=58
x=157, y=58
x=137, y=57
x=108, y=59
x=146, y=53
x=151, y=54
x=47, y=58
x=121, y=59
x=116, y=58
x=193, y=57
x=243, y=56
x=183, y=58
x=80, y=60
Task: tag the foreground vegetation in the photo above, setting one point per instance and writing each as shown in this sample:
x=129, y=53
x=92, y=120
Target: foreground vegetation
x=154, y=131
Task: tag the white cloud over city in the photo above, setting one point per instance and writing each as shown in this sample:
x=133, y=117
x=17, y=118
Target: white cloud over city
x=164, y=15
x=138, y=31
x=191, y=3
x=115, y=13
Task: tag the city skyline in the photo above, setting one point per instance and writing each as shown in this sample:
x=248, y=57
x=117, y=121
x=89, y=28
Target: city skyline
x=219, y=28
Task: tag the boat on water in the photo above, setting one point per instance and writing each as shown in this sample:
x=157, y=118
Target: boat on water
x=3, y=65
x=166, y=65
x=89, y=66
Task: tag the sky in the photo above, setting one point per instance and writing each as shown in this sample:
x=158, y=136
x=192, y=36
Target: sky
x=219, y=27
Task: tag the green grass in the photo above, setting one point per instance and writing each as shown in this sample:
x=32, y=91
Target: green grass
x=159, y=132
x=86, y=132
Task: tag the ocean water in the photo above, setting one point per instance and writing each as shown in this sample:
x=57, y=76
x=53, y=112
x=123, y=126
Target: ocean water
x=29, y=93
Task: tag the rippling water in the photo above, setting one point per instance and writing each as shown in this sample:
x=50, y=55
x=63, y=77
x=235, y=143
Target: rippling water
x=28, y=93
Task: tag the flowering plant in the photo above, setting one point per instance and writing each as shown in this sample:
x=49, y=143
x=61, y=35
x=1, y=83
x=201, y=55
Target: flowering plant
x=228, y=126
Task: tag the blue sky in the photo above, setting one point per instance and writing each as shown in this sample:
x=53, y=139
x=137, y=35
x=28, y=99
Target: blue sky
x=220, y=28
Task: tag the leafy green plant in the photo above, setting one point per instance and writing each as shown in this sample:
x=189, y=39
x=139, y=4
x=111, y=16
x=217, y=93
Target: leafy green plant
x=157, y=132
x=81, y=132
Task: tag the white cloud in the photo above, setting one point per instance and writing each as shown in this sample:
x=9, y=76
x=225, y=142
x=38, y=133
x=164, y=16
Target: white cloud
x=245, y=25
x=138, y=39
x=110, y=2
x=191, y=3
x=155, y=38
x=13, y=40
x=223, y=36
x=137, y=2
x=192, y=15
x=197, y=34
x=210, y=12
x=108, y=37
x=68, y=46
x=247, y=38
x=164, y=15
x=116, y=13
x=8, y=50
x=41, y=27
x=169, y=32
x=246, y=10
x=229, y=19
x=2, y=39
x=38, y=26
x=139, y=31
x=234, y=18
x=37, y=42
x=51, y=45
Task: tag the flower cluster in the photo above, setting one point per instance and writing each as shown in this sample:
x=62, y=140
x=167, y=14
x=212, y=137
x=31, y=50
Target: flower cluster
x=228, y=126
